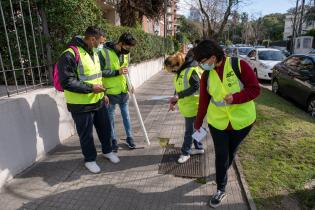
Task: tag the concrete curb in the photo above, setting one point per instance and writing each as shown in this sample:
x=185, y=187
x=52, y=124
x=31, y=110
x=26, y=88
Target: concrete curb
x=243, y=184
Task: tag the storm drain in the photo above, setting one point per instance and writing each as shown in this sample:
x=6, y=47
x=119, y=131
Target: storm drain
x=193, y=168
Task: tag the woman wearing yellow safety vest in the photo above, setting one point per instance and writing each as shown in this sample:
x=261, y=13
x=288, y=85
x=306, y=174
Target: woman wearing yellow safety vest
x=228, y=87
x=186, y=82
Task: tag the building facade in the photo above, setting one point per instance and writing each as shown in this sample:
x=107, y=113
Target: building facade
x=288, y=26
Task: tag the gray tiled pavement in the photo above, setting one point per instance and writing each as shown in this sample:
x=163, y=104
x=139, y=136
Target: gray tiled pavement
x=61, y=182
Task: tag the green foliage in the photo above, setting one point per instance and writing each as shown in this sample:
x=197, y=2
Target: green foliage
x=149, y=46
x=67, y=18
x=189, y=30
x=310, y=33
x=26, y=60
x=273, y=25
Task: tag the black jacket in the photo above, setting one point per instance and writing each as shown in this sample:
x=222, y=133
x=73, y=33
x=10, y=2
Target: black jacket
x=67, y=73
x=194, y=80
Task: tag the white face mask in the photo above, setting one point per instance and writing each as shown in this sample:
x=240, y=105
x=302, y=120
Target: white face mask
x=207, y=67
x=100, y=47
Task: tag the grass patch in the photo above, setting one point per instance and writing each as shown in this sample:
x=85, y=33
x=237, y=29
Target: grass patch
x=278, y=156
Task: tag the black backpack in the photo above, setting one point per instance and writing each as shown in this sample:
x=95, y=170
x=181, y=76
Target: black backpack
x=237, y=72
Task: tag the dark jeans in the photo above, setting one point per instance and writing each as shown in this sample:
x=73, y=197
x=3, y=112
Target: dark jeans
x=188, y=140
x=226, y=144
x=84, y=124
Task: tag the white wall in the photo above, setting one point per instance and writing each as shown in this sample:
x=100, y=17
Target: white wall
x=34, y=123
x=141, y=72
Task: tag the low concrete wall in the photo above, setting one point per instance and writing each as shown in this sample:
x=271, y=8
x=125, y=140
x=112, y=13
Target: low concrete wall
x=34, y=123
x=31, y=125
x=141, y=72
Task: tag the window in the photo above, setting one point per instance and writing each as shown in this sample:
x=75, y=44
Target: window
x=307, y=64
x=307, y=43
x=298, y=43
x=252, y=54
x=269, y=55
x=293, y=63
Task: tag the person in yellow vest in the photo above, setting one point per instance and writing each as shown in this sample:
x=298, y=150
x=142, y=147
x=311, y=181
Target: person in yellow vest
x=228, y=87
x=84, y=93
x=114, y=59
x=186, y=82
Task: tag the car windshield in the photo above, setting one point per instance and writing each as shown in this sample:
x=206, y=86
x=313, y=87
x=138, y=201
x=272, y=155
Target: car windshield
x=270, y=55
x=244, y=51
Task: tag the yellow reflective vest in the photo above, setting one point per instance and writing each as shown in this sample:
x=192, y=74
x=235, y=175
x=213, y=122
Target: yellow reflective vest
x=219, y=113
x=88, y=71
x=117, y=84
x=188, y=106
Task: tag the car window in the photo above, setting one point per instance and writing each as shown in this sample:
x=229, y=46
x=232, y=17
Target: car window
x=307, y=64
x=243, y=51
x=270, y=55
x=293, y=63
x=251, y=53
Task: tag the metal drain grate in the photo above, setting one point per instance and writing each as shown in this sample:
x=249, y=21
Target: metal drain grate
x=193, y=168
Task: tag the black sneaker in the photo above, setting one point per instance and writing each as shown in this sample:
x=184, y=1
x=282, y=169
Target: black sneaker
x=130, y=143
x=217, y=198
x=114, y=146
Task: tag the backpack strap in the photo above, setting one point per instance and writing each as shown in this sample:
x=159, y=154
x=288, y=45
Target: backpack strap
x=235, y=67
x=76, y=53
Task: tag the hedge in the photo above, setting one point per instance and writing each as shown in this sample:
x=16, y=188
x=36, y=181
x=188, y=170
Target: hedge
x=67, y=18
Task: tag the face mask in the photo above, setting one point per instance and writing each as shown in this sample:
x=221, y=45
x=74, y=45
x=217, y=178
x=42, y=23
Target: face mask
x=207, y=67
x=100, y=47
x=124, y=51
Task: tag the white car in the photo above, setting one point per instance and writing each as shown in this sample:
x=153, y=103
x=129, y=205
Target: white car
x=262, y=60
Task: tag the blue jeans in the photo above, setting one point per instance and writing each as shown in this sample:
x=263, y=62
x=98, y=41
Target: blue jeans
x=124, y=110
x=188, y=140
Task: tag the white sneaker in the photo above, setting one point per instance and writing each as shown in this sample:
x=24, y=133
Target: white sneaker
x=197, y=151
x=92, y=167
x=183, y=158
x=112, y=157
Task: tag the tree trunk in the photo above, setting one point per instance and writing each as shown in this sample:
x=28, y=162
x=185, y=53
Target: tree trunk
x=210, y=31
x=225, y=19
x=128, y=17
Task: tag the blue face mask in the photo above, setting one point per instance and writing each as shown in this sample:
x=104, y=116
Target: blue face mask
x=207, y=67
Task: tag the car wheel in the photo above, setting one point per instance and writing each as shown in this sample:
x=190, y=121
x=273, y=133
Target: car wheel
x=275, y=87
x=311, y=107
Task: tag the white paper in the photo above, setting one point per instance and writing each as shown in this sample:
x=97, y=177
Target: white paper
x=160, y=98
x=199, y=136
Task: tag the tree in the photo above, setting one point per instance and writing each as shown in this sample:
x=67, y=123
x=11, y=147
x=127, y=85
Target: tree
x=189, y=29
x=273, y=26
x=132, y=11
x=216, y=14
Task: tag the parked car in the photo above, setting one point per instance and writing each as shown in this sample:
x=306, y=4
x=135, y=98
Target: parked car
x=295, y=78
x=262, y=60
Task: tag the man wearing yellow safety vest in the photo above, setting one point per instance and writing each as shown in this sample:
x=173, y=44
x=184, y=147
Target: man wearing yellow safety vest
x=186, y=82
x=84, y=92
x=114, y=59
x=228, y=87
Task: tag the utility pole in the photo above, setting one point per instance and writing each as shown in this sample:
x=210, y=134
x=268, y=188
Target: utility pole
x=301, y=18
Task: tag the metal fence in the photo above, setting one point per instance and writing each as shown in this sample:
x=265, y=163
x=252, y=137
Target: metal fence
x=23, y=58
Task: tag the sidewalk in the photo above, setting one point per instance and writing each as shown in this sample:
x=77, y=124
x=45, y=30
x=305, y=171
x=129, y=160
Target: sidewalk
x=61, y=181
